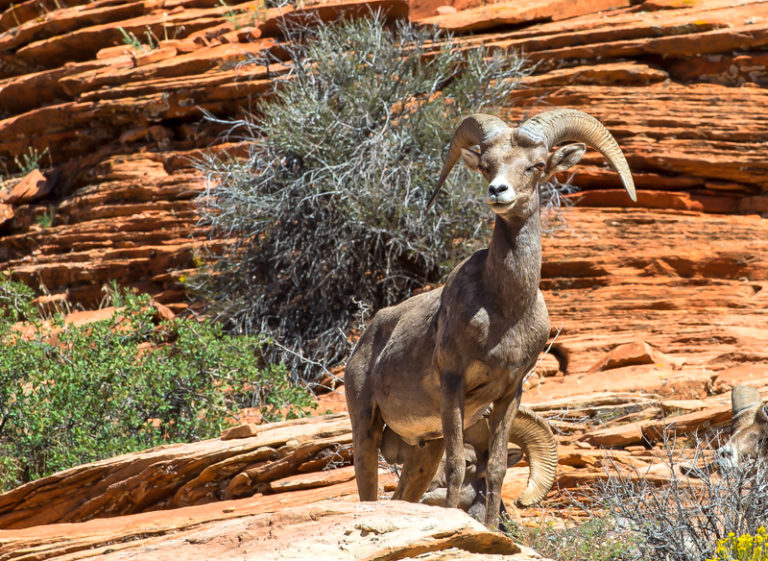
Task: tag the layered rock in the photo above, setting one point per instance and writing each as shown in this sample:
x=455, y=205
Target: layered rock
x=301, y=462
x=111, y=95
x=327, y=530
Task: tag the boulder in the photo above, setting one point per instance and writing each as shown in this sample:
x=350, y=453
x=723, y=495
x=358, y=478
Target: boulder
x=326, y=530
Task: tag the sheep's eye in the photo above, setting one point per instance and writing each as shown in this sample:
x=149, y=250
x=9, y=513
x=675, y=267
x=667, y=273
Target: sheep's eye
x=539, y=166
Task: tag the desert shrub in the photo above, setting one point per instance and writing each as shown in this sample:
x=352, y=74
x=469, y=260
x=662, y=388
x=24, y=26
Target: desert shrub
x=743, y=548
x=124, y=384
x=684, y=518
x=327, y=209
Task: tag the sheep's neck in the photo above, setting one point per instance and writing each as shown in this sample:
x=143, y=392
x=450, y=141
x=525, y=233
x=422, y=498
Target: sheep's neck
x=513, y=266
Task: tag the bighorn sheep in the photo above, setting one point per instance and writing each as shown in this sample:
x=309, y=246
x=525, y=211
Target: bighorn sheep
x=430, y=366
x=529, y=431
x=749, y=429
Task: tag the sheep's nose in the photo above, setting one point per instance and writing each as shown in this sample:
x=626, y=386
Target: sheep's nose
x=496, y=189
x=725, y=456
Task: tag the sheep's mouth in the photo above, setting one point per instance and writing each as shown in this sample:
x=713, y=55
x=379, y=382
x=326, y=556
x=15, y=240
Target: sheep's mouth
x=495, y=203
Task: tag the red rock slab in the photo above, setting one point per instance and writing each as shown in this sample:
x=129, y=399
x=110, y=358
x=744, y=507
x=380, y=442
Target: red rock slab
x=6, y=213
x=754, y=205
x=191, y=66
x=16, y=13
x=324, y=530
x=725, y=69
x=709, y=304
x=649, y=432
x=23, y=93
x=753, y=374
x=615, y=73
x=698, y=421
x=70, y=19
x=636, y=352
x=426, y=8
x=312, y=480
x=32, y=187
x=331, y=11
x=652, y=134
x=576, y=479
x=514, y=13
x=83, y=39
x=615, y=437
x=622, y=33
x=170, y=476
x=641, y=378
x=658, y=199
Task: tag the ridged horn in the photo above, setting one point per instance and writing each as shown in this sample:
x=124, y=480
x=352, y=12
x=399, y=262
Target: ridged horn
x=532, y=433
x=473, y=130
x=744, y=397
x=561, y=125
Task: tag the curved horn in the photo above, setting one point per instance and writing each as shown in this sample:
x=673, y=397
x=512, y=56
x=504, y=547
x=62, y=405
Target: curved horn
x=744, y=397
x=473, y=130
x=532, y=433
x=560, y=125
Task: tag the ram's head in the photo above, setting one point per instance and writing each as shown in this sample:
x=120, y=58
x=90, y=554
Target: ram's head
x=749, y=429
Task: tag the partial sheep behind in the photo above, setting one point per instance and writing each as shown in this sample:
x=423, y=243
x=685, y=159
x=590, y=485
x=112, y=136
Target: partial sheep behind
x=749, y=429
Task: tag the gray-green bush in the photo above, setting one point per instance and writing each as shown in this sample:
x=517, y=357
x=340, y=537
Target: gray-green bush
x=328, y=207
x=684, y=518
x=123, y=384
x=637, y=518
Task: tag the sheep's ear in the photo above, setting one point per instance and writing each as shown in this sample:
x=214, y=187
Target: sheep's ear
x=564, y=158
x=762, y=415
x=471, y=158
x=513, y=457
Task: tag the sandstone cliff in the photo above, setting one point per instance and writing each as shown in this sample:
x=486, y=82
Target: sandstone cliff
x=681, y=85
x=660, y=306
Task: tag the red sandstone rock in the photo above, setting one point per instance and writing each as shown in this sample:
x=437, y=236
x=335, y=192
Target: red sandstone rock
x=6, y=214
x=328, y=530
x=749, y=374
x=637, y=352
x=241, y=431
x=514, y=13
x=32, y=187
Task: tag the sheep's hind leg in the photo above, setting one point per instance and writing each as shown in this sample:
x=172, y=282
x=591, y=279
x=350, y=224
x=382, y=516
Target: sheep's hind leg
x=452, y=393
x=367, y=428
x=418, y=470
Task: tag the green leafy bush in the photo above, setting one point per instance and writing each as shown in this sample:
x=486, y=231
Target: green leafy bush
x=746, y=547
x=328, y=207
x=123, y=384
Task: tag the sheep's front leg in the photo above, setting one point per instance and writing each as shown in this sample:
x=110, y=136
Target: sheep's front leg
x=500, y=423
x=452, y=409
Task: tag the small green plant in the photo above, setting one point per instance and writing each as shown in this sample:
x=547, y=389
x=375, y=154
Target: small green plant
x=129, y=38
x=30, y=160
x=45, y=220
x=124, y=384
x=231, y=15
x=746, y=547
x=593, y=540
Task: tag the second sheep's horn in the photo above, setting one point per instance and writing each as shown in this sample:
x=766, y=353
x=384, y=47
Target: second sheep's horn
x=473, y=130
